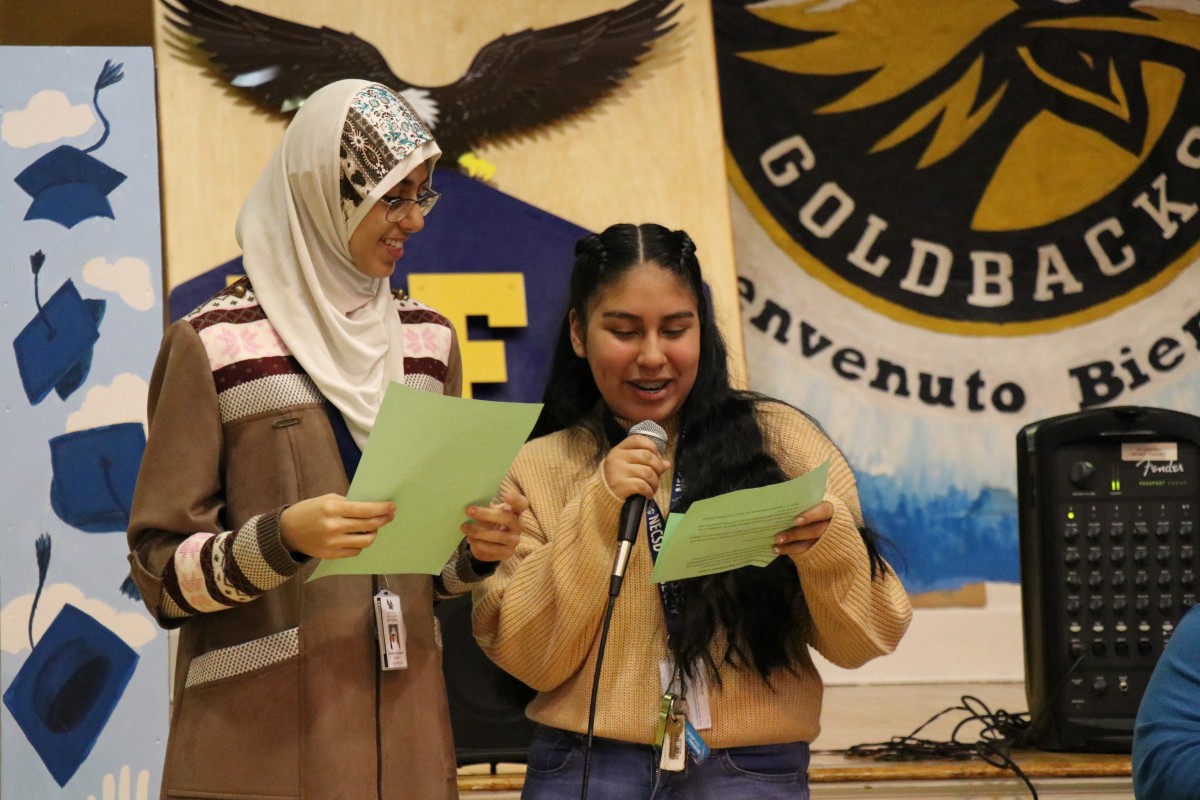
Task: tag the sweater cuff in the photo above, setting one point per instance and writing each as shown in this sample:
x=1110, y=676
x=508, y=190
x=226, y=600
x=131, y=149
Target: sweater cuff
x=270, y=541
x=604, y=483
x=461, y=572
x=483, y=568
x=839, y=543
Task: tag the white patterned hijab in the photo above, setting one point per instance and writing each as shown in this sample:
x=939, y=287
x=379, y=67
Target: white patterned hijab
x=347, y=146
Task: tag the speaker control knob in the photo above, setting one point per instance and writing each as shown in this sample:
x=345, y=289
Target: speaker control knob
x=1082, y=473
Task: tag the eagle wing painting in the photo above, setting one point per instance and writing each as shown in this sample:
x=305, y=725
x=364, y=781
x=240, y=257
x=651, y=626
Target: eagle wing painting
x=515, y=84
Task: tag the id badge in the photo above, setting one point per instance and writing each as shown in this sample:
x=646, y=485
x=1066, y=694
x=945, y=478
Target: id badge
x=389, y=624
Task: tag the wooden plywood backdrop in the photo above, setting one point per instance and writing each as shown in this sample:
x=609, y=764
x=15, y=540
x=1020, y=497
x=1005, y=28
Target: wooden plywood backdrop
x=651, y=152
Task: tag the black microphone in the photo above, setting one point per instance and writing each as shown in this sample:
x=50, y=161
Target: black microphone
x=631, y=512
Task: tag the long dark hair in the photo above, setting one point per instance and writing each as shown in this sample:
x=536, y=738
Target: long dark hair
x=761, y=610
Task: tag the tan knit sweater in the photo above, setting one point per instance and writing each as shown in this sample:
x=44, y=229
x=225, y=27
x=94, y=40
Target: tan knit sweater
x=539, y=615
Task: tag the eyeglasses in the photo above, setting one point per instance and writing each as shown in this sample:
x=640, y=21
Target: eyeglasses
x=398, y=207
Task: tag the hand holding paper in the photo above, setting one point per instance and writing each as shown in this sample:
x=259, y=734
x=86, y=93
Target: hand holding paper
x=735, y=529
x=494, y=531
x=432, y=456
x=330, y=526
x=806, y=530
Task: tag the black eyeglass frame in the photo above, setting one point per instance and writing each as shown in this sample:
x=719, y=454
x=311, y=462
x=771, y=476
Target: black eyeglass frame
x=398, y=207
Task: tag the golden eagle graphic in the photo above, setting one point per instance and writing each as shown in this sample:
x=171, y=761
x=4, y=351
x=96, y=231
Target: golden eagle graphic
x=1093, y=82
x=515, y=84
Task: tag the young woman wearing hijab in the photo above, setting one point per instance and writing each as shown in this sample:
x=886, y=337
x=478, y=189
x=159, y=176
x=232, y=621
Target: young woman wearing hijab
x=260, y=403
x=639, y=343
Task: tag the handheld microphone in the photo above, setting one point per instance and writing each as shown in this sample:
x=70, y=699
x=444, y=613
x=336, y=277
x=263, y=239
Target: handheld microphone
x=631, y=512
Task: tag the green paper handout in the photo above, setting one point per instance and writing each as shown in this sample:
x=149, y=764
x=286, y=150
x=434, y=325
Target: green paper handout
x=735, y=529
x=432, y=455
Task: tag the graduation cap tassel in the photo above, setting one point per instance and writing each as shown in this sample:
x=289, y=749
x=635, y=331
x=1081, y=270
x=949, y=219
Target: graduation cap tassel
x=36, y=261
x=110, y=74
x=130, y=589
x=68, y=185
x=42, y=546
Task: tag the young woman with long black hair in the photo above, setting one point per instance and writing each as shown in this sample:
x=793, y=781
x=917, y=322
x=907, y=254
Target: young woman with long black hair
x=639, y=342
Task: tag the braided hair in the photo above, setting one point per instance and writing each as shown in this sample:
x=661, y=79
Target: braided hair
x=761, y=611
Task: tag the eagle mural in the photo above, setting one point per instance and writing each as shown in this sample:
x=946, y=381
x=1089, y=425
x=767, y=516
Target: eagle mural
x=963, y=143
x=515, y=84
x=1004, y=79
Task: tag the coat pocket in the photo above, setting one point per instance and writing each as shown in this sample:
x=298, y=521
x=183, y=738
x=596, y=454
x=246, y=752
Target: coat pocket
x=236, y=729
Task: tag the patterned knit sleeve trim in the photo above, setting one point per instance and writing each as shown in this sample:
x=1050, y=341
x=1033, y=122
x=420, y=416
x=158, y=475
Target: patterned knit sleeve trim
x=214, y=571
x=430, y=345
x=461, y=573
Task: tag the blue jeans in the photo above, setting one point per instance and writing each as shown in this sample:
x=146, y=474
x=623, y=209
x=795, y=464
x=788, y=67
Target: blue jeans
x=625, y=771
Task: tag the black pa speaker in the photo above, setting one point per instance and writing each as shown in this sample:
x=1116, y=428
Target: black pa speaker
x=1108, y=539
x=487, y=705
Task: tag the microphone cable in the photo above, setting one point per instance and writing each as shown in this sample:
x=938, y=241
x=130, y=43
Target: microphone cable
x=655, y=433
x=992, y=744
x=587, y=749
x=1002, y=732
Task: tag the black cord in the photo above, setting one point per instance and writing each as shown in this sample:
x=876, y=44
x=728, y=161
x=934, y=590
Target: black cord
x=1050, y=701
x=587, y=750
x=1001, y=730
x=1001, y=733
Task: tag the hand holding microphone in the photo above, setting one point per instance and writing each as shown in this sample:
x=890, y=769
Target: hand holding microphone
x=632, y=469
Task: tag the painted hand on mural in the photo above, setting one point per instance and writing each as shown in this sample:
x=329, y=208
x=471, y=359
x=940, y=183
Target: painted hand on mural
x=515, y=84
x=121, y=788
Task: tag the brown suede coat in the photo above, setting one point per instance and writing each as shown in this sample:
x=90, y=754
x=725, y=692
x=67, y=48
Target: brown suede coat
x=316, y=719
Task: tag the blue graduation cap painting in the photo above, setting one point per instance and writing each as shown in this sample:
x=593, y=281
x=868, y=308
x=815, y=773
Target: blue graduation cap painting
x=65, y=692
x=95, y=471
x=67, y=184
x=54, y=350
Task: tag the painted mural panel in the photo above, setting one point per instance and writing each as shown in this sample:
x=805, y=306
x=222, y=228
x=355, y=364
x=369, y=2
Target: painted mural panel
x=953, y=219
x=82, y=667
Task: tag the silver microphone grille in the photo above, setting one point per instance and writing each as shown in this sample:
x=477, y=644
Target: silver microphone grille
x=654, y=431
